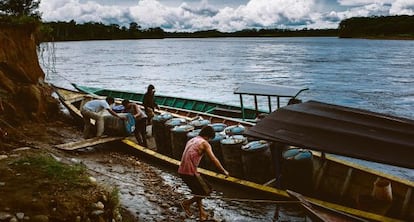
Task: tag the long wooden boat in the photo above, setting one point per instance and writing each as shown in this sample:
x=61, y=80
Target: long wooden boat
x=336, y=184
x=170, y=104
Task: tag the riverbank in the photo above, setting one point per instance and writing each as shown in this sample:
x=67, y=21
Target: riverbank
x=26, y=191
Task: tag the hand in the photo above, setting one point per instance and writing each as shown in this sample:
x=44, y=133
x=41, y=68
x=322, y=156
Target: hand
x=123, y=117
x=225, y=172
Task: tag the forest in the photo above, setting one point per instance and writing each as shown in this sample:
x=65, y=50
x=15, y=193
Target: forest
x=392, y=27
x=64, y=31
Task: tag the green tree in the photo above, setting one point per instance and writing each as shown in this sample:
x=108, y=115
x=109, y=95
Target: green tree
x=20, y=8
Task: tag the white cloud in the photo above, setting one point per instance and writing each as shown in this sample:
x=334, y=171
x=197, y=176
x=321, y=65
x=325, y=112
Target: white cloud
x=405, y=7
x=204, y=16
x=363, y=2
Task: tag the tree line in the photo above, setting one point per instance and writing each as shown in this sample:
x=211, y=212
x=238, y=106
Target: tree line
x=401, y=26
x=63, y=31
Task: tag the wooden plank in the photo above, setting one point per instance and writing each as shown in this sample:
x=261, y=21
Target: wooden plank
x=347, y=181
x=88, y=142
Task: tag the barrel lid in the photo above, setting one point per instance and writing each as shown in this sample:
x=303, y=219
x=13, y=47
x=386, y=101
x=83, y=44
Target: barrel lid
x=234, y=130
x=193, y=133
x=176, y=122
x=218, y=127
x=218, y=137
x=182, y=128
x=255, y=146
x=200, y=122
x=235, y=139
x=162, y=117
x=297, y=154
x=118, y=108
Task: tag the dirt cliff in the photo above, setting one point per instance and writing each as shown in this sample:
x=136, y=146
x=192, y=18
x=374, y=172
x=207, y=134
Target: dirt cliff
x=23, y=93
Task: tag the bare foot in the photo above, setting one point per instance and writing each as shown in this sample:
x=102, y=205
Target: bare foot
x=186, y=209
x=204, y=216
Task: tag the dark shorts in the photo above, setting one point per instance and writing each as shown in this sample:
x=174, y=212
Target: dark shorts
x=197, y=184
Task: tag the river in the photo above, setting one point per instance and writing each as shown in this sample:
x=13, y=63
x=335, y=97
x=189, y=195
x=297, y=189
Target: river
x=371, y=74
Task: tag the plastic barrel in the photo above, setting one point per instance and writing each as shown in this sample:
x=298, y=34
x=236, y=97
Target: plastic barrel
x=199, y=123
x=169, y=124
x=158, y=131
x=257, y=161
x=234, y=130
x=117, y=127
x=231, y=149
x=218, y=127
x=297, y=170
x=179, y=140
x=216, y=147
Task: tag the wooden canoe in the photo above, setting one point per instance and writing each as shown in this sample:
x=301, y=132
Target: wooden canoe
x=336, y=182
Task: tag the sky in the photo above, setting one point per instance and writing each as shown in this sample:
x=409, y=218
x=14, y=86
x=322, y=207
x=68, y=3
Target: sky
x=222, y=15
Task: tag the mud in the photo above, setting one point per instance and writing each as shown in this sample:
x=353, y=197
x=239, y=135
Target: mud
x=152, y=192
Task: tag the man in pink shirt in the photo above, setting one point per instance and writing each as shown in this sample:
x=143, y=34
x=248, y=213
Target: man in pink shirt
x=193, y=152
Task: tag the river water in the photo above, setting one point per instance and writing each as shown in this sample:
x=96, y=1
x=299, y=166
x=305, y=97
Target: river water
x=371, y=74
x=376, y=75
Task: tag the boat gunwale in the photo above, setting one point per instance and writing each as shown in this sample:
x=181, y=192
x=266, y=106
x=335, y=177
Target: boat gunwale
x=96, y=90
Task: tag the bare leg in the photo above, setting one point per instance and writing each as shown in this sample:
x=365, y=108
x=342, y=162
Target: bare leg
x=186, y=205
x=203, y=213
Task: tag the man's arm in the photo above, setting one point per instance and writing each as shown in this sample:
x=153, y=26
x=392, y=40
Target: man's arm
x=116, y=114
x=207, y=149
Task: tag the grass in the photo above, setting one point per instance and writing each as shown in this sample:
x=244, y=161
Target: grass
x=51, y=168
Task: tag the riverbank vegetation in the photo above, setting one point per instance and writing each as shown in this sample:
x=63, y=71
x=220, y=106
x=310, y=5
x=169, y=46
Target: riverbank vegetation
x=63, y=31
x=384, y=27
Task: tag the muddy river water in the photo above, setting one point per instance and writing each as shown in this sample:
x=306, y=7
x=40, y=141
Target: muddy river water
x=152, y=191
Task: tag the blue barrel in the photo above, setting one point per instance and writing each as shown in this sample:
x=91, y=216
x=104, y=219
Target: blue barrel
x=297, y=170
x=257, y=161
x=218, y=127
x=179, y=139
x=234, y=130
x=158, y=131
x=216, y=147
x=169, y=124
x=115, y=126
x=199, y=123
x=231, y=149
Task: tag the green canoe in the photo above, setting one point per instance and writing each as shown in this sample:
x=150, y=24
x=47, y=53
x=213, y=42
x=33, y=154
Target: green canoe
x=206, y=106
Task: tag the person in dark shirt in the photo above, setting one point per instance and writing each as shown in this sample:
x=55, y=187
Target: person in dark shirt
x=149, y=103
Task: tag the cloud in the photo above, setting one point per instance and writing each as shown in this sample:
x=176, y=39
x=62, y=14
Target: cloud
x=402, y=7
x=363, y=2
x=296, y=14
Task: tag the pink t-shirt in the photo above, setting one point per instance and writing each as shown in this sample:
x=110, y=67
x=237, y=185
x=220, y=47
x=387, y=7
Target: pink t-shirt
x=191, y=157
